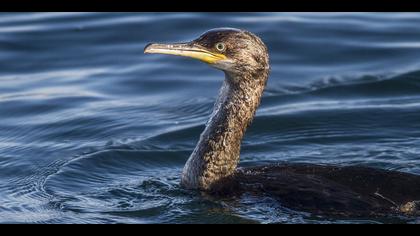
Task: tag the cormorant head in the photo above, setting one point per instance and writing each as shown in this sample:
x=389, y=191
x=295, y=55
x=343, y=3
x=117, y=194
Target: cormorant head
x=231, y=50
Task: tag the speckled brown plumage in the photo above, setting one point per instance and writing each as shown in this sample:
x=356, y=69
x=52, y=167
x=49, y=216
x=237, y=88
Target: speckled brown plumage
x=217, y=152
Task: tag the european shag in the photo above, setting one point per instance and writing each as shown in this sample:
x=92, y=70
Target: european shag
x=319, y=189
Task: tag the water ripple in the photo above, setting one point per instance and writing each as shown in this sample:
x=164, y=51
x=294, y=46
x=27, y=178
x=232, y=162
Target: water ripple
x=93, y=131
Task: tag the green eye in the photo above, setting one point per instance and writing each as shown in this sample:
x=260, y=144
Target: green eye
x=220, y=47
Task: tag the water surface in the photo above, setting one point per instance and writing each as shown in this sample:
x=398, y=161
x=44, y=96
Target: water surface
x=94, y=131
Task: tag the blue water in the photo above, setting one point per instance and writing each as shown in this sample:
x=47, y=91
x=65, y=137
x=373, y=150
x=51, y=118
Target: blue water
x=94, y=131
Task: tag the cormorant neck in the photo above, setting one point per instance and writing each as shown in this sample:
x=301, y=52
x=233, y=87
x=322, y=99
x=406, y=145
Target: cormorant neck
x=217, y=152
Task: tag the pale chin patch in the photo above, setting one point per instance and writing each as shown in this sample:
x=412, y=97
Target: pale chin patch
x=225, y=65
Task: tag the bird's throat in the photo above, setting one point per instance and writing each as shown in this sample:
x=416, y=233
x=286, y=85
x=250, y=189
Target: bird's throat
x=216, y=155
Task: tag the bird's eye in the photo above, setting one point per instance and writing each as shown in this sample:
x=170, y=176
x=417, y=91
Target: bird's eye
x=220, y=47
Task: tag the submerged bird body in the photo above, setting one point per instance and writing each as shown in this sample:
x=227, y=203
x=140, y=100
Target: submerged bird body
x=212, y=167
x=345, y=191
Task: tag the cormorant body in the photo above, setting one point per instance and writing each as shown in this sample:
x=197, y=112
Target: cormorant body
x=319, y=189
x=328, y=190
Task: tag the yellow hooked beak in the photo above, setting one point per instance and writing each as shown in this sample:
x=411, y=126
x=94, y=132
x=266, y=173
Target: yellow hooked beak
x=185, y=50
